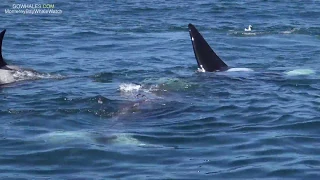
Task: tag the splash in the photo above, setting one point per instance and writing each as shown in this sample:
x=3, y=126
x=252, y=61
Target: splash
x=138, y=92
x=129, y=87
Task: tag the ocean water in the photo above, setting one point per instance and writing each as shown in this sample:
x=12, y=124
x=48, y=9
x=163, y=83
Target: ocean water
x=116, y=94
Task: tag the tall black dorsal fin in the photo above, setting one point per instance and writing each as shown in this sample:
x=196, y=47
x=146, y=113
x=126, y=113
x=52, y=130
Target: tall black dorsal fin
x=207, y=59
x=2, y=62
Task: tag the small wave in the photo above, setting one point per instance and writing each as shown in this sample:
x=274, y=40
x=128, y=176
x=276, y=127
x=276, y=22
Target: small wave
x=86, y=33
x=129, y=87
x=300, y=72
x=96, y=48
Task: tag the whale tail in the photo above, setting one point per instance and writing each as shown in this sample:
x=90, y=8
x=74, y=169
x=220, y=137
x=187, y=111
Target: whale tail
x=2, y=62
x=206, y=58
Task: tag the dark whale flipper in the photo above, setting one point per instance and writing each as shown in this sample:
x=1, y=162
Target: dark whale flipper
x=2, y=62
x=207, y=59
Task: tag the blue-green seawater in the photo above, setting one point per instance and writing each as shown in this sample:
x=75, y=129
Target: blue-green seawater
x=118, y=95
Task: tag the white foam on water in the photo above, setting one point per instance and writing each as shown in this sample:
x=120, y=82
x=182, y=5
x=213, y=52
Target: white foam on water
x=129, y=87
x=249, y=33
x=239, y=70
x=138, y=92
x=300, y=72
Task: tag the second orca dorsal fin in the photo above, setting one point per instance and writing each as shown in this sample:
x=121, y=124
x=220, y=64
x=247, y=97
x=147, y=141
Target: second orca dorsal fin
x=207, y=59
x=2, y=62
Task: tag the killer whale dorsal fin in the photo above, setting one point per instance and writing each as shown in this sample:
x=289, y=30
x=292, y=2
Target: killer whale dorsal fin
x=2, y=62
x=206, y=58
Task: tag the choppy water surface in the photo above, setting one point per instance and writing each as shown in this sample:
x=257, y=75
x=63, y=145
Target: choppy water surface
x=117, y=95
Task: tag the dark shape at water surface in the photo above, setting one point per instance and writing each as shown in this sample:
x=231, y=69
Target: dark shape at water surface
x=207, y=59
